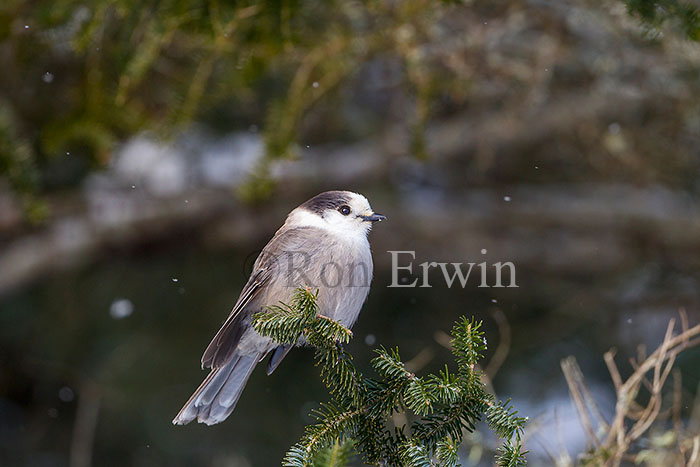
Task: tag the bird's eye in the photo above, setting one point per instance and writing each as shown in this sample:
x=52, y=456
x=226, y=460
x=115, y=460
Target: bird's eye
x=344, y=209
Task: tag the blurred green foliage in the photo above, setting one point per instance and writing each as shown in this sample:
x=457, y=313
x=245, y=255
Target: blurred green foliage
x=654, y=13
x=77, y=78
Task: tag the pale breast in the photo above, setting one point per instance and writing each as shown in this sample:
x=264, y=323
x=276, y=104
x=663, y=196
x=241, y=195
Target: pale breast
x=339, y=268
x=345, y=280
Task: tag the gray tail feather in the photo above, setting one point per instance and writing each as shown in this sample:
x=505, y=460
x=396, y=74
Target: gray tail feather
x=277, y=356
x=216, y=397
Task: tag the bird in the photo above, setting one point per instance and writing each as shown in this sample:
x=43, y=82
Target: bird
x=323, y=245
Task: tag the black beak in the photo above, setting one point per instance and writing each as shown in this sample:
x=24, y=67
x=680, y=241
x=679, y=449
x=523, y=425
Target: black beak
x=374, y=217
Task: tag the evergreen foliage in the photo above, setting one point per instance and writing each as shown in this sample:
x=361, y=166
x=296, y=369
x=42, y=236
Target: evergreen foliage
x=337, y=455
x=654, y=13
x=444, y=405
x=80, y=77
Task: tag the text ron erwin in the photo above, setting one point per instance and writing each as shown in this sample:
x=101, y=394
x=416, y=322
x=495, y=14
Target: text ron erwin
x=450, y=271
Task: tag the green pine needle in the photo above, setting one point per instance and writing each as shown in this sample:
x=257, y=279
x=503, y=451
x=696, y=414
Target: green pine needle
x=357, y=418
x=446, y=453
x=414, y=454
x=502, y=420
x=337, y=455
x=418, y=397
x=468, y=343
x=511, y=455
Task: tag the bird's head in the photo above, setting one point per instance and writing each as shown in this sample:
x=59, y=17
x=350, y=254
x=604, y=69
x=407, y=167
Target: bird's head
x=340, y=212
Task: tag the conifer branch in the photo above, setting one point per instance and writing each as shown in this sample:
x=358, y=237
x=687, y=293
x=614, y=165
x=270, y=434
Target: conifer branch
x=447, y=454
x=502, y=420
x=337, y=455
x=511, y=455
x=448, y=403
x=415, y=455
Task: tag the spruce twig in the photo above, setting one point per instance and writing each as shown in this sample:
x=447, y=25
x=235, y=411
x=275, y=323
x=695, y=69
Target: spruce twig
x=447, y=404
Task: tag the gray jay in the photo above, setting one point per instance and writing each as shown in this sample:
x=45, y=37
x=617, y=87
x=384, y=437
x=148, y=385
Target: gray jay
x=322, y=244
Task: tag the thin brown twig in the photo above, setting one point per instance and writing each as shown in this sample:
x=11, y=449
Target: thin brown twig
x=641, y=353
x=89, y=397
x=572, y=374
x=660, y=362
x=503, y=348
x=609, y=358
x=651, y=372
x=675, y=411
x=694, y=460
x=635, y=366
x=590, y=401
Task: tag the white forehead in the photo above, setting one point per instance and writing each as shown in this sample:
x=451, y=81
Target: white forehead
x=358, y=202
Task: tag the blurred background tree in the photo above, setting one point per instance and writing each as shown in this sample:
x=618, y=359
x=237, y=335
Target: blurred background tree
x=79, y=78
